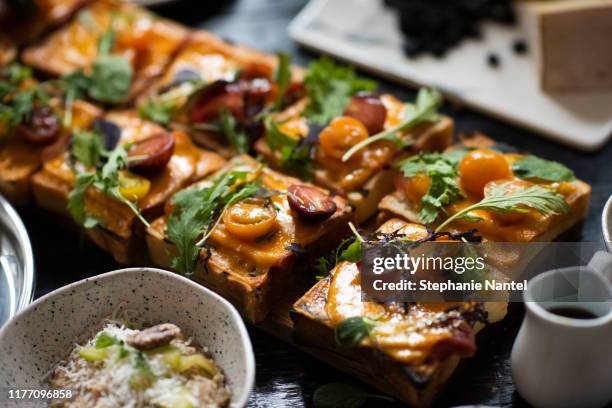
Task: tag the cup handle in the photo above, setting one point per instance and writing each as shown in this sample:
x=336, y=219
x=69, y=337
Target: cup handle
x=602, y=263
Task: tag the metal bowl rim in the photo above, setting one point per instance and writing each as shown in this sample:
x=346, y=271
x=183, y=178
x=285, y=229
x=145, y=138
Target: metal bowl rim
x=26, y=295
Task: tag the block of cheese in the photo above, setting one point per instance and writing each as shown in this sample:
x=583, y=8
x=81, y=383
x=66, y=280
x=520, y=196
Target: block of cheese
x=571, y=41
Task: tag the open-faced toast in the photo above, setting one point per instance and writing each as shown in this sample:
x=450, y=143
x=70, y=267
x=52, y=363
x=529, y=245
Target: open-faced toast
x=295, y=144
x=412, y=348
x=36, y=134
x=501, y=166
x=253, y=264
x=209, y=75
x=110, y=27
x=99, y=194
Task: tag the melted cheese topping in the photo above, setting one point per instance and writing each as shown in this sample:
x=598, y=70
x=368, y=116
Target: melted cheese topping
x=187, y=163
x=206, y=59
x=353, y=174
x=20, y=158
x=521, y=228
x=146, y=41
x=407, y=335
x=260, y=255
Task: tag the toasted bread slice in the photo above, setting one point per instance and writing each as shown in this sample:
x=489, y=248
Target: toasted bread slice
x=533, y=227
x=254, y=275
x=147, y=41
x=20, y=159
x=120, y=233
x=412, y=360
x=366, y=178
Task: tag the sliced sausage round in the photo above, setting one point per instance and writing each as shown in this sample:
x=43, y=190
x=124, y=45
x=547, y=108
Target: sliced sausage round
x=310, y=203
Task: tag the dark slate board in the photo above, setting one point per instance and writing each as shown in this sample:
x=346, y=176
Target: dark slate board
x=287, y=377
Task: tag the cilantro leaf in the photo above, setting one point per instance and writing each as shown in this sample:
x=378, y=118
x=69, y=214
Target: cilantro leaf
x=229, y=126
x=111, y=78
x=15, y=73
x=196, y=211
x=105, y=179
x=533, y=167
x=295, y=154
x=88, y=147
x=424, y=110
x=441, y=168
x=329, y=88
x=282, y=77
x=76, y=197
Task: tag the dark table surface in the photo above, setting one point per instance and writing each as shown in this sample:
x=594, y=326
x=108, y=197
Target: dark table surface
x=287, y=377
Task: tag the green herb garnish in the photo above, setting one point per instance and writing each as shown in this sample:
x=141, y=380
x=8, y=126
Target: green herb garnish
x=500, y=200
x=104, y=340
x=111, y=78
x=295, y=154
x=533, y=167
x=351, y=331
x=282, y=77
x=425, y=110
x=237, y=138
x=341, y=395
x=88, y=147
x=144, y=376
x=329, y=88
x=197, y=210
x=441, y=168
x=104, y=179
x=156, y=111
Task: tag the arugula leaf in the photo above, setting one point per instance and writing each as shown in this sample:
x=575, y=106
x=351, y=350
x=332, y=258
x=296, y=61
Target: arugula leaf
x=441, y=168
x=295, y=154
x=282, y=77
x=533, y=167
x=111, y=78
x=88, y=147
x=329, y=88
x=424, y=110
x=196, y=211
x=503, y=200
x=229, y=126
x=351, y=331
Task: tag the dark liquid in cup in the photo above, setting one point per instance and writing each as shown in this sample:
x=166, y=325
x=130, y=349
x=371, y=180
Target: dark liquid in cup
x=573, y=312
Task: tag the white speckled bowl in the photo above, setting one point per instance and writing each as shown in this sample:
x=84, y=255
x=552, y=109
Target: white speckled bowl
x=45, y=332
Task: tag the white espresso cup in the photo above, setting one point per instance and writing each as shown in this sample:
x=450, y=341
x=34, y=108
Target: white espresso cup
x=560, y=361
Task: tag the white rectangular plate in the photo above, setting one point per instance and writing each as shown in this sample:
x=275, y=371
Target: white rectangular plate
x=365, y=33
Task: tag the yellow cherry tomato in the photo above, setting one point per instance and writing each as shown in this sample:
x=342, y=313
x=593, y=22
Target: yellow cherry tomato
x=415, y=187
x=341, y=134
x=481, y=166
x=133, y=187
x=250, y=219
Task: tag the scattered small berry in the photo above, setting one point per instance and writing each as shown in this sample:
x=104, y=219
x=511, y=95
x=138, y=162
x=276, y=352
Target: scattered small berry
x=519, y=46
x=493, y=60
